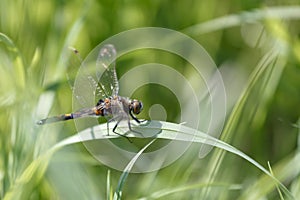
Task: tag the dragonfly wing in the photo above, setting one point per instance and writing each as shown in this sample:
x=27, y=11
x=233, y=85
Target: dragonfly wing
x=96, y=78
x=81, y=80
x=74, y=63
x=106, y=70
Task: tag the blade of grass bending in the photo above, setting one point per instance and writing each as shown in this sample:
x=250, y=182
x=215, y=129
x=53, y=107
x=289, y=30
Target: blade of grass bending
x=285, y=12
x=174, y=131
x=165, y=192
x=286, y=170
x=278, y=189
x=258, y=73
x=169, y=131
x=118, y=193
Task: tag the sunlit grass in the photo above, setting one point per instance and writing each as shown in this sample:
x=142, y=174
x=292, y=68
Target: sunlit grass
x=48, y=163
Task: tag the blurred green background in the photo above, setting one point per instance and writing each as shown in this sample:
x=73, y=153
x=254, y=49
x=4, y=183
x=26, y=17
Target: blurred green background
x=263, y=100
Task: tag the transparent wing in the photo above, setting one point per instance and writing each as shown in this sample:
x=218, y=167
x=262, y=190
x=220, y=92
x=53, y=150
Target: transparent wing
x=96, y=79
x=108, y=81
x=74, y=63
x=82, y=81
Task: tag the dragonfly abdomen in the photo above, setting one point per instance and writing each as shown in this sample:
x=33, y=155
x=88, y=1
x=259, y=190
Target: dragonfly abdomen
x=58, y=118
x=89, y=112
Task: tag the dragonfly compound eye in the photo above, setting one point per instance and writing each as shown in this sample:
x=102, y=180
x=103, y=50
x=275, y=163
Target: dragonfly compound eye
x=137, y=106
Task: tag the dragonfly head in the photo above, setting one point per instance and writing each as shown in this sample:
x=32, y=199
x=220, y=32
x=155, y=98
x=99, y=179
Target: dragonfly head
x=136, y=106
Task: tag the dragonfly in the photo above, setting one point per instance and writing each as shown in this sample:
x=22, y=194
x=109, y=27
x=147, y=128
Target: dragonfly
x=111, y=106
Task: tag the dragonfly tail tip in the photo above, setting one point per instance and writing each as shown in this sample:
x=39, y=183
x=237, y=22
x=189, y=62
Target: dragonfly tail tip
x=40, y=122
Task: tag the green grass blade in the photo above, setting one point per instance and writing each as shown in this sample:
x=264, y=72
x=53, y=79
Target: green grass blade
x=285, y=12
x=285, y=170
x=29, y=178
x=233, y=121
x=165, y=192
x=169, y=131
x=108, y=187
x=173, y=131
x=18, y=63
x=280, y=194
x=118, y=193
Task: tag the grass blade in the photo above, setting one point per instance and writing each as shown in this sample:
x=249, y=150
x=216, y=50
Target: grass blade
x=169, y=131
x=118, y=193
x=18, y=63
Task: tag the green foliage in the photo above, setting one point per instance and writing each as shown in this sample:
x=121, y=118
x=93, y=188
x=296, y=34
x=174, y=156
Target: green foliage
x=256, y=47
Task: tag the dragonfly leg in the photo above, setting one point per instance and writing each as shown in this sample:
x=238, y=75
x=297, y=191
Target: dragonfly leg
x=110, y=120
x=114, y=129
x=134, y=131
x=135, y=118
